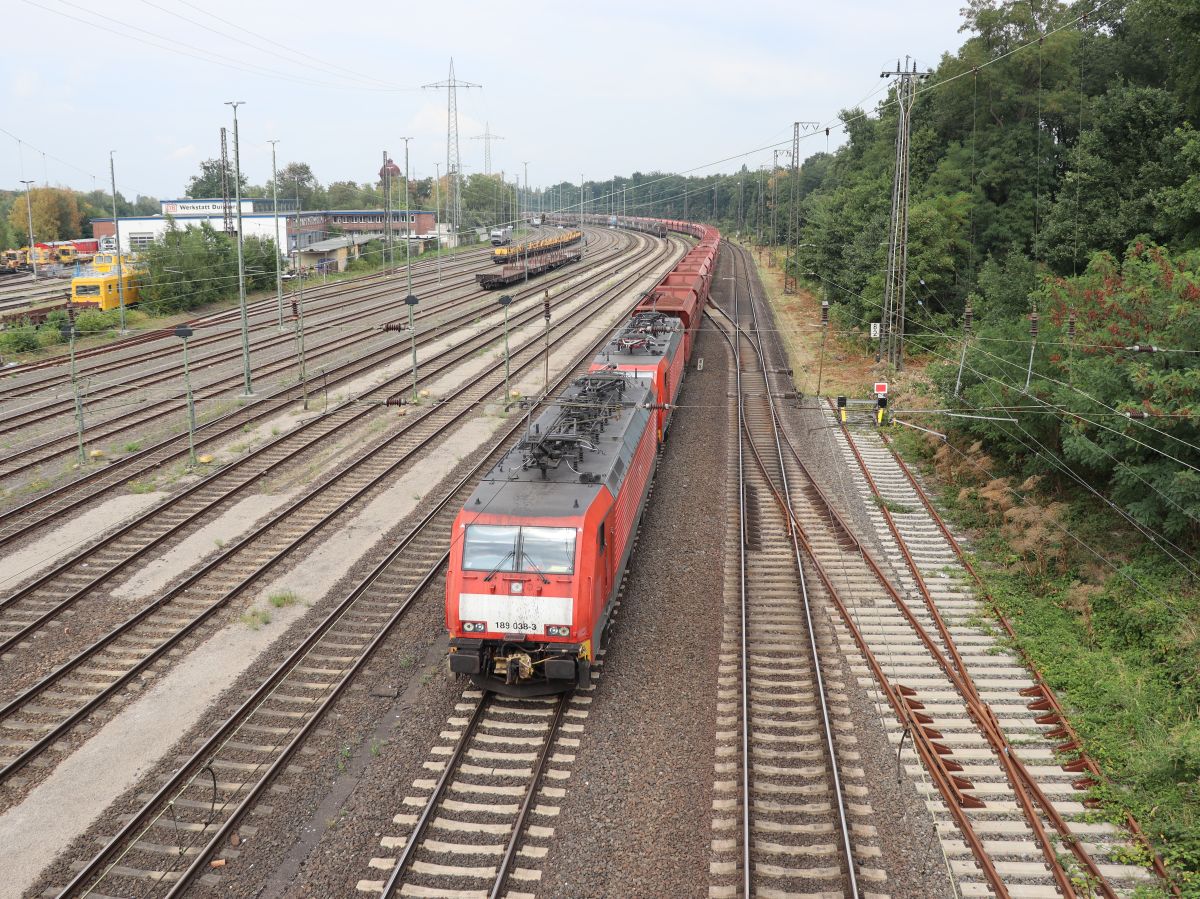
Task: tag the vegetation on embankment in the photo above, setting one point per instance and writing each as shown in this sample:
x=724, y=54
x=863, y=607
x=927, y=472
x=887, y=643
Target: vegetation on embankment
x=1053, y=170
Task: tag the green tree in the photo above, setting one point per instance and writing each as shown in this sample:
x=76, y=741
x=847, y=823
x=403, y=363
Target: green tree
x=190, y=267
x=344, y=195
x=1118, y=168
x=207, y=183
x=297, y=179
x=56, y=214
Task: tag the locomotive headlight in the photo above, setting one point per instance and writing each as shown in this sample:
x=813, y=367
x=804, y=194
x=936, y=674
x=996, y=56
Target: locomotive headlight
x=555, y=630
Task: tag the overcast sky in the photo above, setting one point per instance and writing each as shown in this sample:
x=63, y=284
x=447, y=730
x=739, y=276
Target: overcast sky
x=596, y=88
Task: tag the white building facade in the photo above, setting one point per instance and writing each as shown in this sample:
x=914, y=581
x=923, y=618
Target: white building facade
x=258, y=220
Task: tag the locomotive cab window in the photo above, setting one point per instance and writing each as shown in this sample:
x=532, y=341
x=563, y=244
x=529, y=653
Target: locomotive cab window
x=490, y=547
x=548, y=550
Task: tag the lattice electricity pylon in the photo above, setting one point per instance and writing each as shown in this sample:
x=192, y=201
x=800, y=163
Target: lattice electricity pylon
x=453, y=166
x=891, y=338
x=228, y=211
x=789, y=270
x=487, y=137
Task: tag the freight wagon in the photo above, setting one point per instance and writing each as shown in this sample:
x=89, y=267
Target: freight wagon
x=538, y=265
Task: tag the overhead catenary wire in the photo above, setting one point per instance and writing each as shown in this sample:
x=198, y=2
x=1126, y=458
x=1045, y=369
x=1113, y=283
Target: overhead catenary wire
x=830, y=124
x=1061, y=466
x=310, y=59
x=107, y=23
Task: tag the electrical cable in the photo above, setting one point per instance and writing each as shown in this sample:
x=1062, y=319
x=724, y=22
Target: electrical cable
x=830, y=124
x=234, y=37
x=1043, y=377
x=1149, y=533
x=189, y=49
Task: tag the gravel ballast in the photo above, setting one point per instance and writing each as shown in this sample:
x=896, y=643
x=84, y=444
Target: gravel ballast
x=911, y=853
x=635, y=820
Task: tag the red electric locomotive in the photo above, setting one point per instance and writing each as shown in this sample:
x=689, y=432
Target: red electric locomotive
x=538, y=551
x=649, y=347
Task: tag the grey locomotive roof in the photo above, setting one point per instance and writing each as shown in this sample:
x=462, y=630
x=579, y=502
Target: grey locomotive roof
x=632, y=346
x=518, y=486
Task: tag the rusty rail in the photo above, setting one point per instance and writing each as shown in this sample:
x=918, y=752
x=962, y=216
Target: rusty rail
x=902, y=699
x=1014, y=769
x=1055, y=713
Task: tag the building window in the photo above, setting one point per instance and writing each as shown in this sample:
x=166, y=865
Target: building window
x=140, y=240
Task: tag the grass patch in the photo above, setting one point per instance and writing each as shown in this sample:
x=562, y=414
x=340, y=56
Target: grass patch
x=256, y=618
x=892, y=506
x=146, y=486
x=283, y=599
x=37, y=485
x=1127, y=664
x=132, y=446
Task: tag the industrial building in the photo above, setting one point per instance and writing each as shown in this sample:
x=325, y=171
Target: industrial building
x=298, y=229
x=332, y=255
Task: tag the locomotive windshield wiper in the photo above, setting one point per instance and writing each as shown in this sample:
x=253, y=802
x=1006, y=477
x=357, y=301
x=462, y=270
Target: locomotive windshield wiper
x=491, y=574
x=529, y=558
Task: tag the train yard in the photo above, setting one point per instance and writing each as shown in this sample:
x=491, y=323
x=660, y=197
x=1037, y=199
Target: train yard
x=232, y=680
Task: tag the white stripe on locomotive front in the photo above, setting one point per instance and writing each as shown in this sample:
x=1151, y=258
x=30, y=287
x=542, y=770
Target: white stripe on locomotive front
x=526, y=608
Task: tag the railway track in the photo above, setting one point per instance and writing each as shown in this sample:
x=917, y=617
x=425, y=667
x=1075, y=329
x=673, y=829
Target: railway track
x=80, y=577
x=54, y=504
x=1010, y=817
x=13, y=379
x=472, y=827
x=280, y=361
x=188, y=821
x=17, y=296
x=23, y=610
x=933, y=570
x=784, y=820
x=215, y=343
x=50, y=708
